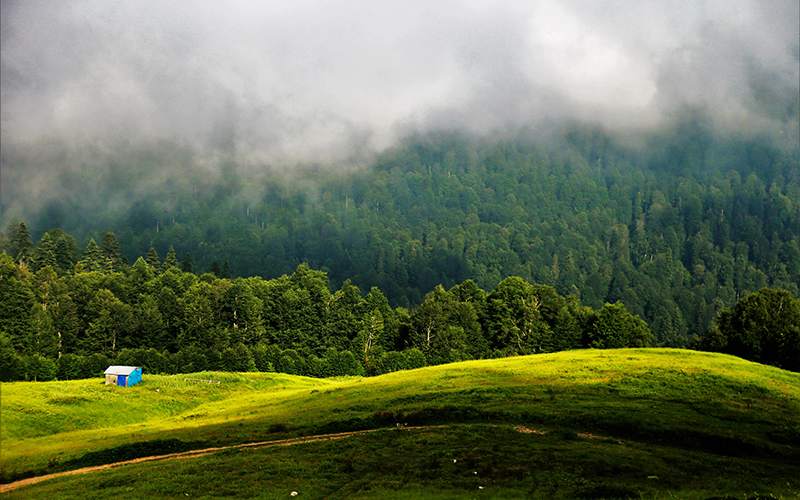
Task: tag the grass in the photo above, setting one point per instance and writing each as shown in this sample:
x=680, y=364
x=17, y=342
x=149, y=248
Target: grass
x=46, y=423
x=638, y=423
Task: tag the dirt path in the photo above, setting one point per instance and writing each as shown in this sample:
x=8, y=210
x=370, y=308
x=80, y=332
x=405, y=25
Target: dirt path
x=197, y=453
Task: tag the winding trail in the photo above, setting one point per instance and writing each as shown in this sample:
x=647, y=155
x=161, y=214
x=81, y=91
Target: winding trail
x=200, y=453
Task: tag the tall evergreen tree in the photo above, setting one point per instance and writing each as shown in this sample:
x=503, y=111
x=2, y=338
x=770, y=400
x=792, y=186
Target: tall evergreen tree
x=215, y=269
x=94, y=259
x=170, y=261
x=20, y=242
x=16, y=304
x=45, y=253
x=110, y=248
x=152, y=259
x=57, y=250
x=187, y=264
x=225, y=272
x=111, y=325
x=66, y=250
x=53, y=296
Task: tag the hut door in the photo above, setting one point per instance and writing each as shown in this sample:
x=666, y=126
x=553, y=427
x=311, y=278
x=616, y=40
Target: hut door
x=121, y=380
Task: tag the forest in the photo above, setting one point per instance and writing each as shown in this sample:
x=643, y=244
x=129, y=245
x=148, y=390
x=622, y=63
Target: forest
x=469, y=247
x=170, y=320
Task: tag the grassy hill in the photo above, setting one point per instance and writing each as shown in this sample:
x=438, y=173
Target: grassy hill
x=630, y=423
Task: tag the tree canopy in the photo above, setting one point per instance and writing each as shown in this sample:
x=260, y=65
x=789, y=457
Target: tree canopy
x=762, y=327
x=471, y=247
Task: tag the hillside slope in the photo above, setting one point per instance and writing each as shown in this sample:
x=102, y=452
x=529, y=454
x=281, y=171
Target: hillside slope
x=594, y=412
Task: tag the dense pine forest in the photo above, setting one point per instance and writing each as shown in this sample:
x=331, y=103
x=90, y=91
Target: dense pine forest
x=444, y=247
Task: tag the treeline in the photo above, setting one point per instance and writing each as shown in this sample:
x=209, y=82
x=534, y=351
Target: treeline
x=677, y=230
x=68, y=316
x=762, y=327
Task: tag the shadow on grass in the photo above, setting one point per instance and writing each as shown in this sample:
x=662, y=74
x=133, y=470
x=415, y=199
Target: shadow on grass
x=121, y=453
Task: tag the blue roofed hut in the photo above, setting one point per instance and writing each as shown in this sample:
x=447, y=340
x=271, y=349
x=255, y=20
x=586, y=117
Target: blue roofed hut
x=124, y=376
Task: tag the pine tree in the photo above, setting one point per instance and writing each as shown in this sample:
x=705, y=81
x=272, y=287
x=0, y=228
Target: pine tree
x=45, y=253
x=187, y=264
x=226, y=271
x=57, y=250
x=95, y=260
x=23, y=242
x=16, y=303
x=152, y=258
x=171, y=260
x=20, y=244
x=110, y=248
x=215, y=270
x=66, y=250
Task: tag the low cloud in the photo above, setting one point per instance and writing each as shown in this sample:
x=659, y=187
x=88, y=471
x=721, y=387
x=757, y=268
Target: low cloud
x=328, y=82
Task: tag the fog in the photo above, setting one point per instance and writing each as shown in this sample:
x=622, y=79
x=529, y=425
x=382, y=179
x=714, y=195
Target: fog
x=88, y=85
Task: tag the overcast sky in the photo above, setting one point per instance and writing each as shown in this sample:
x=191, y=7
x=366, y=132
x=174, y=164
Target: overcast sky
x=284, y=80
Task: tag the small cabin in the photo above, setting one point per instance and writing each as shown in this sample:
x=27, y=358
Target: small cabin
x=124, y=376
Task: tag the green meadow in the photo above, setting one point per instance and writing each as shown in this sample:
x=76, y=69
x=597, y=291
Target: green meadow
x=603, y=424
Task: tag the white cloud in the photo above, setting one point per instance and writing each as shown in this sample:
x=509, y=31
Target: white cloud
x=310, y=77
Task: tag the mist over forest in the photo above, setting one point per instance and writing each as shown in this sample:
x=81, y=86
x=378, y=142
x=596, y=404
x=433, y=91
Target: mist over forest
x=579, y=144
x=116, y=101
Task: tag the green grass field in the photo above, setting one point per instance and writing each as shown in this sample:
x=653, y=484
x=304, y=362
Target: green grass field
x=629, y=423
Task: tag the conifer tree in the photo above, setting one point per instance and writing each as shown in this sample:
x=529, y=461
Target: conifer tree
x=152, y=258
x=187, y=264
x=16, y=303
x=110, y=247
x=45, y=253
x=24, y=242
x=66, y=249
x=171, y=260
x=20, y=242
x=215, y=270
x=57, y=250
x=95, y=260
x=226, y=271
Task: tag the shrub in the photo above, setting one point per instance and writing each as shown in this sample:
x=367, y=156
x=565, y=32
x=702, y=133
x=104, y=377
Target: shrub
x=150, y=360
x=69, y=367
x=38, y=368
x=272, y=354
x=316, y=367
x=286, y=364
x=94, y=365
x=190, y=360
x=238, y=359
x=415, y=358
x=343, y=363
x=261, y=359
x=290, y=362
